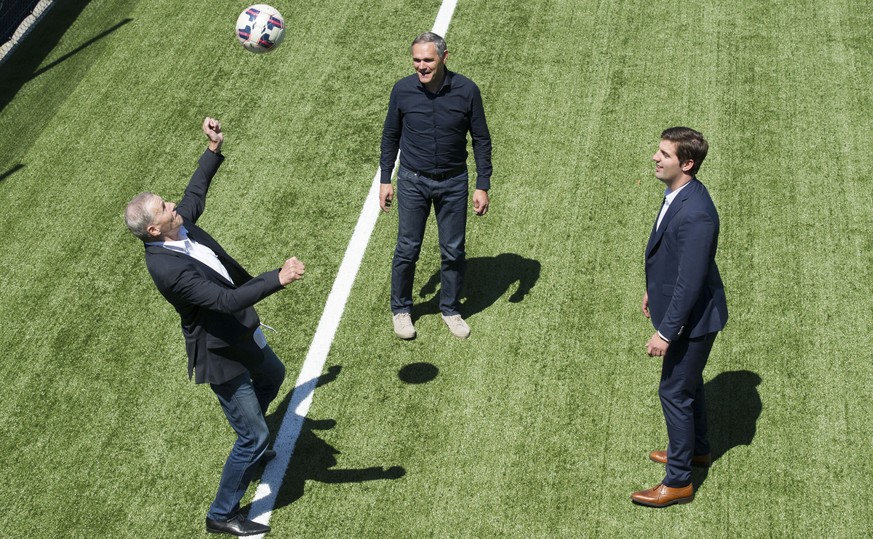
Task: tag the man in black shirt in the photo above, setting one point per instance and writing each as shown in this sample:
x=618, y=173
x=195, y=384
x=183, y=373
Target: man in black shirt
x=429, y=115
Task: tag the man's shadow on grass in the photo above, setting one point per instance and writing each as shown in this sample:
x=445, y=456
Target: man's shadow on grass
x=733, y=406
x=487, y=279
x=313, y=458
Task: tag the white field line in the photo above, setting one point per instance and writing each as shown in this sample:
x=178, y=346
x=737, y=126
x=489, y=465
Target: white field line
x=271, y=480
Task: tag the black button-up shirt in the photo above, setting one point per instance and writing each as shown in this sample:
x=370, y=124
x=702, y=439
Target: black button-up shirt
x=431, y=129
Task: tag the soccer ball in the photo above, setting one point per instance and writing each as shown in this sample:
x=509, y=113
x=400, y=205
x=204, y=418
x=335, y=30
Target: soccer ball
x=260, y=28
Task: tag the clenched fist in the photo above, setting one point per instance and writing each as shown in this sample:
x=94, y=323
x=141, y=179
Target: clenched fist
x=291, y=271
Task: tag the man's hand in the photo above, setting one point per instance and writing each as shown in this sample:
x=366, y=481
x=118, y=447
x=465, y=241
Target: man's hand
x=212, y=128
x=646, y=304
x=657, y=346
x=291, y=271
x=480, y=202
x=386, y=196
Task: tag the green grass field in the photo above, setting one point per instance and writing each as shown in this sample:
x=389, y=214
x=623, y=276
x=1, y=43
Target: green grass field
x=540, y=424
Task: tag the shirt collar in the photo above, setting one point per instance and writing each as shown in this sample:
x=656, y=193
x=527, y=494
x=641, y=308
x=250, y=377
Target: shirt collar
x=183, y=244
x=447, y=82
x=669, y=196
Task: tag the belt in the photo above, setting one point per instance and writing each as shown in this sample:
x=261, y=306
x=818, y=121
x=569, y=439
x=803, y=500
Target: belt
x=442, y=176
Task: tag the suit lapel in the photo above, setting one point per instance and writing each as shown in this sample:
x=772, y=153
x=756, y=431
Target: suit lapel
x=200, y=237
x=653, y=232
x=235, y=271
x=674, y=208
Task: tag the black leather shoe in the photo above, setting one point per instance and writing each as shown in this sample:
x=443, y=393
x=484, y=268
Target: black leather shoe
x=238, y=525
x=268, y=455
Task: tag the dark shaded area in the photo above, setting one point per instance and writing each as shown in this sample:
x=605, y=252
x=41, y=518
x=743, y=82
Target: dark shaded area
x=22, y=65
x=733, y=407
x=12, y=13
x=313, y=458
x=487, y=280
x=11, y=171
x=418, y=373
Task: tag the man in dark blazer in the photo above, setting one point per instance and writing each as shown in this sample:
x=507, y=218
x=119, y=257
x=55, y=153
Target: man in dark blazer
x=686, y=302
x=214, y=296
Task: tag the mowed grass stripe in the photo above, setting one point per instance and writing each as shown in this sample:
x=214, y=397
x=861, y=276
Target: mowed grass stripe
x=107, y=399
x=266, y=494
x=467, y=452
x=552, y=395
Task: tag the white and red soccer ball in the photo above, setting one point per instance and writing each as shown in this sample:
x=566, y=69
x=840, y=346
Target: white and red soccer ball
x=260, y=28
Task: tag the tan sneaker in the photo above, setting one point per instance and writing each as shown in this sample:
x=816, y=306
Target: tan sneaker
x=457, y=326
x=403, y=327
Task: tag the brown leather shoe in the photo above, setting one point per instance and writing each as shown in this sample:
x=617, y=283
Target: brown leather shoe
x=662, y=495
x=701, y=461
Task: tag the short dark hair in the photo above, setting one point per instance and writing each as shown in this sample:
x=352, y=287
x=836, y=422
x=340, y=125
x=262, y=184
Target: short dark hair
x=690, y=145
x=436, y=39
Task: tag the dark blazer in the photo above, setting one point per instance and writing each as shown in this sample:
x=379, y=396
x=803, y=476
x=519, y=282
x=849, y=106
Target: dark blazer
x=218, y=318
x=686, y=295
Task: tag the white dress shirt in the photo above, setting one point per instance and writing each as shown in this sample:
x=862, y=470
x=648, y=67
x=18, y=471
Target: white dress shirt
x=669, y=196
x=198, y=251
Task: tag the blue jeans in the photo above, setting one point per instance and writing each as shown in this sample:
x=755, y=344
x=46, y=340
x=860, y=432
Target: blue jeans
x=245, y=400
x=415, y=195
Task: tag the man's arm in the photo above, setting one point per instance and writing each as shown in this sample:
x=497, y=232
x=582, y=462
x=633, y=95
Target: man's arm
x=391, y=132
x=194, y=201
x=481, y=152
x=193, y=289
x=696, y=236
x=481, y=141
x=189, y=286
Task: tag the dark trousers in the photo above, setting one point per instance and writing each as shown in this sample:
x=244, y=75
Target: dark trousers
x=415, y=195
x=245, y=400
x=684, y=406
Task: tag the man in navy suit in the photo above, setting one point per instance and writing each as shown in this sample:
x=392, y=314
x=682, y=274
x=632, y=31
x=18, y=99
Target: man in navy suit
x=226, y=348
x=686, y=302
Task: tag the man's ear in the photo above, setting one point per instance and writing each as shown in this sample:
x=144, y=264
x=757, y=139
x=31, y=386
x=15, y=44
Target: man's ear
x=153, y=231
x=687, y=165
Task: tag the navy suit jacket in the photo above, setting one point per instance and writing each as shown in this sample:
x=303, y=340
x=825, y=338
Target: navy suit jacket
x=686, y=294
x=218, y=317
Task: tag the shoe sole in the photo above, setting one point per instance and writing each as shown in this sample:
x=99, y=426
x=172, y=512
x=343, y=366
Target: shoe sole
x=233, y=534
x=212, y=530
x=677, y=501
